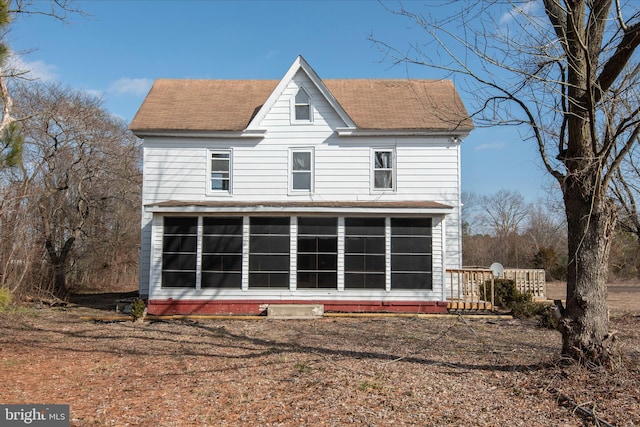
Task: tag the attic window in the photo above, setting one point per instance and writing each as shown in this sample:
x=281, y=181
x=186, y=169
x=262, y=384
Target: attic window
x=302, y=106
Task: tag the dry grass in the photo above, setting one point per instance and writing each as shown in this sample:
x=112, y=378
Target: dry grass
x=327, y=372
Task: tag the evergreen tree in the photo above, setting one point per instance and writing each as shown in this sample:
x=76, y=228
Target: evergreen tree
x=10, y=136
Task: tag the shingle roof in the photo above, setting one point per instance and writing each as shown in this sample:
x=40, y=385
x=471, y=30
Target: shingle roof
x=229, y=105
x=401, y=104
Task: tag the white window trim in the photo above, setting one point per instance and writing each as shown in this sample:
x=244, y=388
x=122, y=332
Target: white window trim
x=208, y=190
x=372, y=160
x=292, y=108
x=311, y=152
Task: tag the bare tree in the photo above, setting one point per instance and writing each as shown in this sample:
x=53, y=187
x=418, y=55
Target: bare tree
x=546, y=240
x=503, y=214
x=79, y=160
x=545, y=229
x=568, y=71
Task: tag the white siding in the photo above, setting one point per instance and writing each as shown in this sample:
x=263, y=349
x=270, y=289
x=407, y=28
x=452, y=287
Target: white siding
x=427, y=169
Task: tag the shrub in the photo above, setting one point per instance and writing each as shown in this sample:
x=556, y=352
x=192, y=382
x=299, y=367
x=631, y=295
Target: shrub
x=137, y=309
x=505, y=292
x=546, y=316
x=5, y=299
x=521, y=304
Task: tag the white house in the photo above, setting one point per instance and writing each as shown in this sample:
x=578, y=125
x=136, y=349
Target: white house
x=337, y=192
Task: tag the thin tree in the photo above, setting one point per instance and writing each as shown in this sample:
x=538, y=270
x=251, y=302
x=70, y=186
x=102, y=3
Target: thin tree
x=564, y=69
x=10, y=137
x=502, y=216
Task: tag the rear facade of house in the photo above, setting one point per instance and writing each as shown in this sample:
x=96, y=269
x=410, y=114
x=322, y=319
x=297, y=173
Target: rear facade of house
x=344, y=193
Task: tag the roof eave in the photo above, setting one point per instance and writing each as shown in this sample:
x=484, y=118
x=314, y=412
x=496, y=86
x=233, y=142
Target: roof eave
x=458, y=132
x=235, y=134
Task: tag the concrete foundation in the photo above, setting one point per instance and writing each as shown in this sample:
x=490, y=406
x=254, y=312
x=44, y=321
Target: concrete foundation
x=295, y=311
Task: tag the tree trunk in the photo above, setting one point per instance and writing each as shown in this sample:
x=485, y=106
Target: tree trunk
x=60, y=281
x=59, y=266
x=585, y=322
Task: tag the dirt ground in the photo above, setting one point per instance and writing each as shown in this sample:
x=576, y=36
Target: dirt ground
x=623, y=298
x=334, y=371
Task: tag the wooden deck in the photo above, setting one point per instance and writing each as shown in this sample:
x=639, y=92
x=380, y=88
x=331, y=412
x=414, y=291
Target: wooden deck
x=528, y=280
x=469, y=290
x=473, y=289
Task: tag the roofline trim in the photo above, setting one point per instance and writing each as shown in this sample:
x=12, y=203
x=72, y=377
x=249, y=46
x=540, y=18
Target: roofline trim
x=283, y=210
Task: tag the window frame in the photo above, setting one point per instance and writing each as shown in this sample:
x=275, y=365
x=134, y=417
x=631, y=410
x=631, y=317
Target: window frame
x=294, y=104
x=179, y=248
x=265, y=234
x=374, y=169
x=209, y=180
x=318, y=247
x=411, y=243
x=365, y=244
x=221, y=230
x=311, y=171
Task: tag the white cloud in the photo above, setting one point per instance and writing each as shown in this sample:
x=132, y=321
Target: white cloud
x=94, y=92
x=128, y=86
x=35, y=70
x=526, y=9
x=490, y=146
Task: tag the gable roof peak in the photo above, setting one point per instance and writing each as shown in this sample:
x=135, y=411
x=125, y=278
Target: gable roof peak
x=300, y=64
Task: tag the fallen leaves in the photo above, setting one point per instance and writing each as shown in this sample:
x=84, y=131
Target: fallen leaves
x=323, y=372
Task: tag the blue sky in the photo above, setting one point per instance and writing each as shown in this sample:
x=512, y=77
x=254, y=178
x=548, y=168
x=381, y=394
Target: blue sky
x=120, y=49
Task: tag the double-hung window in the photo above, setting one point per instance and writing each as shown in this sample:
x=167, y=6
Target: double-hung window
x=219, y=172
x=383, y=170
x=301, y=177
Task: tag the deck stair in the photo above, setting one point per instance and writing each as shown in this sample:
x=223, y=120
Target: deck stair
x=462, y=306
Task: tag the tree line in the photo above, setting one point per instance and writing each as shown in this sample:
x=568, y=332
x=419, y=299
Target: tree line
x=70, y=179
x=70, y=208
x=504, y=227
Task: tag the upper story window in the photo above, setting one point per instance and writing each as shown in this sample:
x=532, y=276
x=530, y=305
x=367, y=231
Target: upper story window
x=219, y=172
x=301, y=170
x=383, y=162
x=302, y=106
